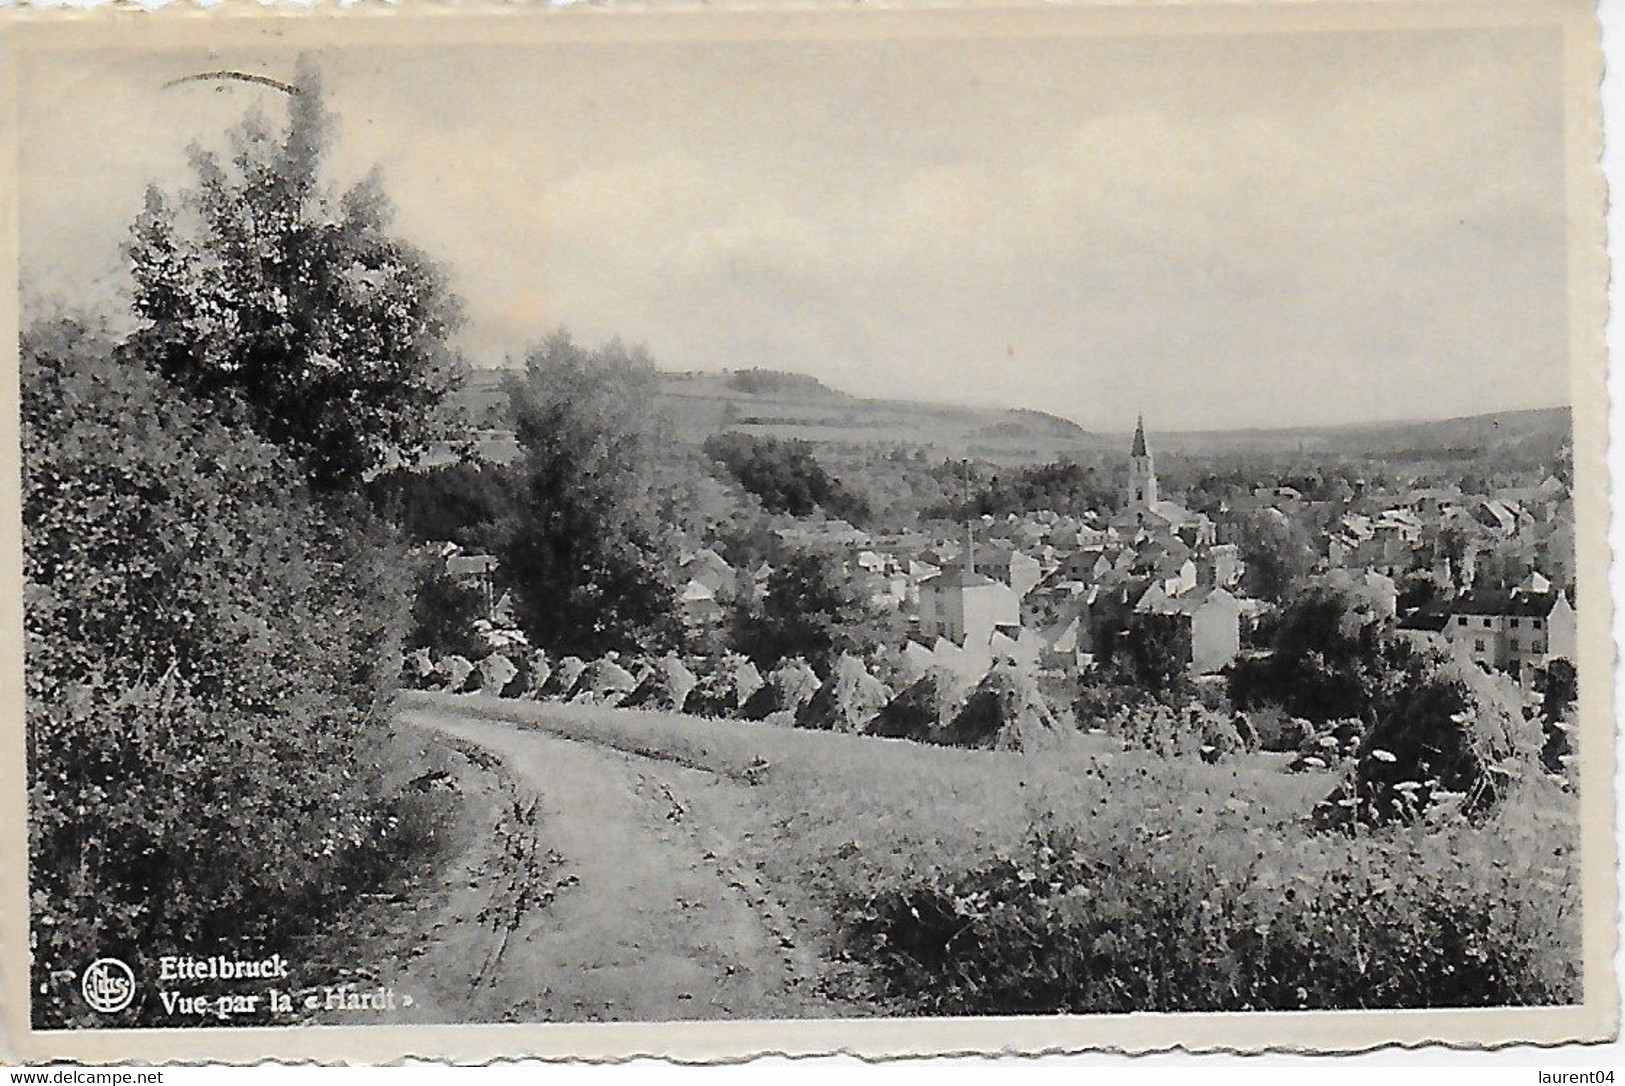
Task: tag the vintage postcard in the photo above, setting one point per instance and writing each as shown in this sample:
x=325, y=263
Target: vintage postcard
x=708, y=532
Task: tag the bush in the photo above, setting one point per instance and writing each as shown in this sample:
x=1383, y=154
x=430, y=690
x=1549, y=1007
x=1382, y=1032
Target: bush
x=785, y=476
x=1119, y=919
x=444, y=612
x=1459, y=738
x=206, y=645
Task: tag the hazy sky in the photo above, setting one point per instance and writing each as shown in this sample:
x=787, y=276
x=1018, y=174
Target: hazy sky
x=1216, y=231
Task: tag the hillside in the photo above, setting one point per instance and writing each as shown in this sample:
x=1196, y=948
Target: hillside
x=790, y=405
x=796, y=406
x=1454, y=438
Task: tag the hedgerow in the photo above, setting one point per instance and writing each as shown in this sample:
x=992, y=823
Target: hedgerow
x=1182, y=909
x=206, y=649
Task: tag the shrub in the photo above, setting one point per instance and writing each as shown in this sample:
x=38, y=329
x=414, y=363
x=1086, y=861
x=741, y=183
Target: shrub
x=1210, y=913
x=1459, y=737
x=205, y=648
x=444, y=612
x=785, y=476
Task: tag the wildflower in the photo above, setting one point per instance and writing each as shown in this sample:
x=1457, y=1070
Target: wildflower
x=1383, y=756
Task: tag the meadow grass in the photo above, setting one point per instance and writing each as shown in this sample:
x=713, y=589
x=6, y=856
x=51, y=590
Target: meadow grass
x=1088, y=879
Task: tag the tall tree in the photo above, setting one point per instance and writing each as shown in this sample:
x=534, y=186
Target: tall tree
x=585, y=553
x=291, y=307
x=810, y=609
x=1278, y=552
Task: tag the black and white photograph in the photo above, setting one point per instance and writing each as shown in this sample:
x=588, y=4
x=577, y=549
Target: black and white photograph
x=1033, y=517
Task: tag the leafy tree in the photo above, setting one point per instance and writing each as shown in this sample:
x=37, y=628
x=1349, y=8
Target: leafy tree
x=1559, y=686
x=443, y=616
x=1279, y=554
x=1328, y=660
x=585, y=556
x=1157, y=652
x=292, y=308
x=809, y=609
x=464, y=503
x=785, y=476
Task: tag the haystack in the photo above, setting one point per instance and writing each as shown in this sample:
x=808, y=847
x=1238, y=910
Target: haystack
x=790, y=686
x=1458, y=739
x=603, y=682
x=1006, y=711
x=417, y=670
x=914, y=663
x=454, y=672
x=537, y=671
x=723, y=686
x=920, y=709
x=564, y=677
x=847, y=700
x=666, y=686
x=495, y=672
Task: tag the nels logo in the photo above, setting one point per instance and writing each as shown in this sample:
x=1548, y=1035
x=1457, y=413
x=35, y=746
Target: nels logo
x=108, y=985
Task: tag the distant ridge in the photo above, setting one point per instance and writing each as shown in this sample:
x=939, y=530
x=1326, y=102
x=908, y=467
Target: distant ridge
x=1460, y=434
x=798, y=406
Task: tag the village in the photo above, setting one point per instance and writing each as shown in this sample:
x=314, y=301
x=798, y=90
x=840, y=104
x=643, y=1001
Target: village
x=1058, y=595
x=878, y=519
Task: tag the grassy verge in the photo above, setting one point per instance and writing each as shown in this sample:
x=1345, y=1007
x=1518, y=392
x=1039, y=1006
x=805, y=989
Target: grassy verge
x=1092, y=880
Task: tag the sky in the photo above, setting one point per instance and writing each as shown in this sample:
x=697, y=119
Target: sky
x=1214, y=230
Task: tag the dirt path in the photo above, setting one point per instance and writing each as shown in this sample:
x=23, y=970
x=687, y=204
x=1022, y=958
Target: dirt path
x=600, y=896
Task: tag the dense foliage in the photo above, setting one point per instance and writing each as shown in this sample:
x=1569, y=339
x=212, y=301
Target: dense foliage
x=1202, y=911
x=585, y=556
x=1062, y=487
x=463, y=503
x=261, y=290
x=1328, y=660
x=206, y=646
x=810, y=610
x=785, y=476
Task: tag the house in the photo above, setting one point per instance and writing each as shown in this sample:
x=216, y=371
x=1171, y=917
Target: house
x=1013, y=566
x=711, y=570
x=1516, y=630
x=1430, y=503
x=698, y=605
x=1168, y=562
x=475, y=571
x=1496, y=515
x=1222, y=565
x=1208, y=621
x=1425, y=627
x=967, y=608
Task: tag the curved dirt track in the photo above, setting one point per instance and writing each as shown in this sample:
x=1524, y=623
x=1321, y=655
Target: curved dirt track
x=604, y=893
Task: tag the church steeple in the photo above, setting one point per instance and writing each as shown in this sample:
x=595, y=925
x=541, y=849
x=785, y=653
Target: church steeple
x=1142, y=471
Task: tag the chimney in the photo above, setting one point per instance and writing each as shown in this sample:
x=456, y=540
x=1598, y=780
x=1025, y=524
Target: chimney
x=970, y=529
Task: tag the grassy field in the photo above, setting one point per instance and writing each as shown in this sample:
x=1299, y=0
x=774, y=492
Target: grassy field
x=1086, y=879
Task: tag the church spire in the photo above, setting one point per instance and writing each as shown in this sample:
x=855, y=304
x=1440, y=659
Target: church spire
x=1142, y=473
